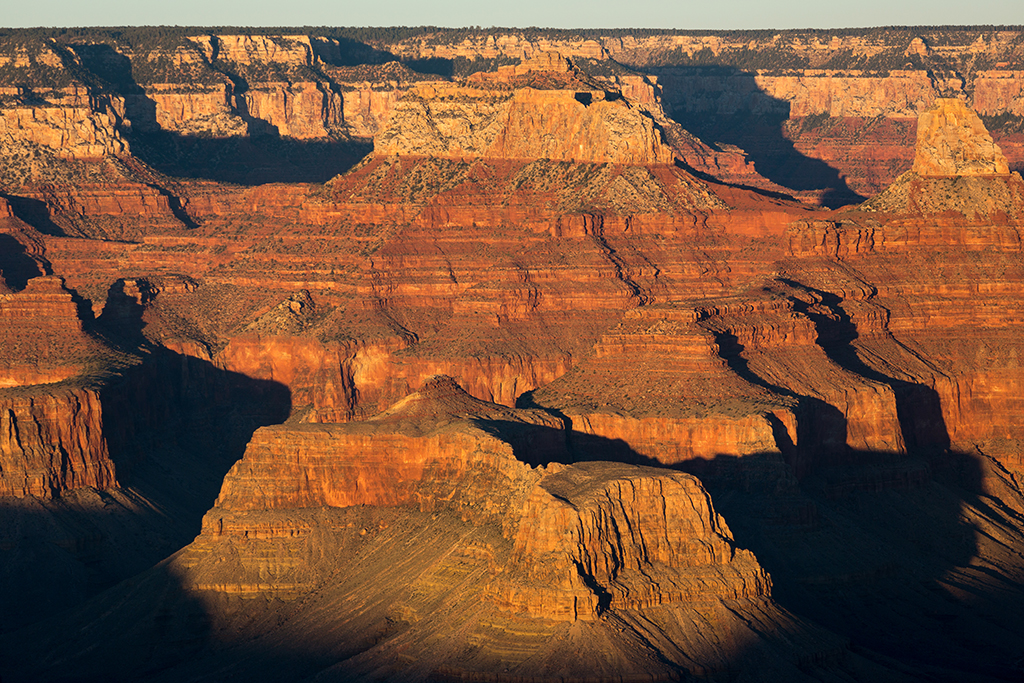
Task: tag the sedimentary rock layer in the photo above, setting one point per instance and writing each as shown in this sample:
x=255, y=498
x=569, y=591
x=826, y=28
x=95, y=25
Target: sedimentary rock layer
x=952, y=141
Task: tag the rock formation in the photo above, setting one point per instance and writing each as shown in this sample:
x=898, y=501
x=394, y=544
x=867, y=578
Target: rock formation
x=52, y=441
x=849, y=101
x=535, y=555
x=952, y=141
x=691, y=424
x=558, y=122
x=71, y=121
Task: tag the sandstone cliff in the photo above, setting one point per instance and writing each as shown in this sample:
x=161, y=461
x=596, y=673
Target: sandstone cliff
x=959, y=180
x=52, y=441
x=522, y=558
x=72, y=121
x=441, y=450
x=957, y=168
x=845, y=384
x=564, y=125
x=43, y=338
x=849, y=101
x=952, y=141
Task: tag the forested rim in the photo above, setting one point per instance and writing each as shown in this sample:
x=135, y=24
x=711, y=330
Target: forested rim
x=769, y=52
x=168, y=36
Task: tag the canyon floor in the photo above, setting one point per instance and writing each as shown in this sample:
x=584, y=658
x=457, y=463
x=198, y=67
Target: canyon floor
x=460, y=358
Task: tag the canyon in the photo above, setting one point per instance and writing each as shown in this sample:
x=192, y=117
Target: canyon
x=511, y=355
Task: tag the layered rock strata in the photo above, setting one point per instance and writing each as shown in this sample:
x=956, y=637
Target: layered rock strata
x=952, y=141
x=51, y=440
x=537, y=550
x=583, y=125
x=849, y=101
x=43, y=337
x=73, y=122
x=814, y=373
x=960, y=229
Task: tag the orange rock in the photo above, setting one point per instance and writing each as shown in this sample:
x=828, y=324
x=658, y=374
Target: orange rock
x=952, y=141
x=584, y=538
x=51, y=440
x=599, y=536
x=258, y=49
x=194, y=109
x=568, y=125
x=416, y=453
x=74, y=122
x=302, y=111
x=42, y=336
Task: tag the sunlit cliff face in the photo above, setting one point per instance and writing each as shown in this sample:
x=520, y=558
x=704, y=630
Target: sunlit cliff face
x=592, y=365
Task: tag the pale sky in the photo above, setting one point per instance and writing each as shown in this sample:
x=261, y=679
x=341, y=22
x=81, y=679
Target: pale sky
x=680, y=14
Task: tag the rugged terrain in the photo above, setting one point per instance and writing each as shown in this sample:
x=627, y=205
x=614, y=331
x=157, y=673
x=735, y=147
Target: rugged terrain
x=511, y=356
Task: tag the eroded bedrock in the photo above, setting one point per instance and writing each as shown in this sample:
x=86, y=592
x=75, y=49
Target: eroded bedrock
x=692, y=423
x=421, y=532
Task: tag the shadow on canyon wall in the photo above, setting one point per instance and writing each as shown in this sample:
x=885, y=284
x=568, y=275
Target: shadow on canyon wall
x=248, y=160
x=875, y=551
x=35, y=213
x=874, y=545
x=174, y=425
x=260, y=156
x=868, y=548
x=193, y=409
x=870, y=545
x=724, y=105
x=16, y=266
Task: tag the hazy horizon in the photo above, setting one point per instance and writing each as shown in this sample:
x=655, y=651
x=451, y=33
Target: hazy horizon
x=724, y=15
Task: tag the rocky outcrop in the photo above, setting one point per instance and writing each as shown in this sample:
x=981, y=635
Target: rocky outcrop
x=440, y=449
x=848, y=101
x=564, y=125
x=52, y=436
x=51, y=420
x=109, y=210
x=997, y=92
x=301, y=111
x=73, y=122
x=595, y=537
x=193, y=109
x=957, y=168
x=405, y=456
x=957, y=204
x=51, y=440
x=662, y=409
x=952, y=141
x=42, y=336
x=288, y=50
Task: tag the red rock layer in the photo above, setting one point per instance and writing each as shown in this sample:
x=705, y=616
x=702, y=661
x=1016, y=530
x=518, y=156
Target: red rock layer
x=680, y=400
x=974, y=378
x=300, y=467
x=405, y=456
x=780, y=347
x=112, y=211
x=460, y=260
x=51, y=440
x=41, y=335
